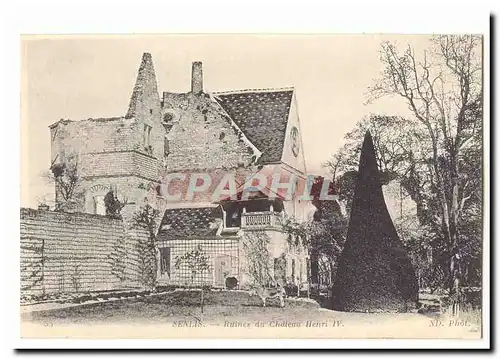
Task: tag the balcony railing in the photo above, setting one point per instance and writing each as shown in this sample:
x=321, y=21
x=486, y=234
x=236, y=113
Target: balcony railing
x=256, y=220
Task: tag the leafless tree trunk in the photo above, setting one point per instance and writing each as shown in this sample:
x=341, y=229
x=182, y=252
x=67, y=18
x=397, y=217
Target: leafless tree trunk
x=442, y=96
x=67, y=179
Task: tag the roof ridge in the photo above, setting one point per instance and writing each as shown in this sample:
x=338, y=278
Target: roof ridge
x=269, y=89
x=190, y=205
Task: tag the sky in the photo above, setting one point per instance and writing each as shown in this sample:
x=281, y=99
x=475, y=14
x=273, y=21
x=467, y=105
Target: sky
x=79, y=77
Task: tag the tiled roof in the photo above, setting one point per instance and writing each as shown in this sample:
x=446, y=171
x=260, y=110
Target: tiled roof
x=189, y=222
x=262, y=115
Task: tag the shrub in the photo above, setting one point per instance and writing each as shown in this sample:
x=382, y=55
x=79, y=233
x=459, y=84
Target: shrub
x=231, y=282
x=291, y=289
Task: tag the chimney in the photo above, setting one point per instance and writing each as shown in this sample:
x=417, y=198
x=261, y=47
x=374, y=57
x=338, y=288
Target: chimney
x=197, y=78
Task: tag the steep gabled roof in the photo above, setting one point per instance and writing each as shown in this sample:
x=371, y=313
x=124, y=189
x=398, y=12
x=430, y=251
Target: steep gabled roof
x=262, y=115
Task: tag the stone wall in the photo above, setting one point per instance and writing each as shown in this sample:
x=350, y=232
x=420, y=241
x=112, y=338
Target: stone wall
x=94, y=135
x=201, y=136
x=76, y=252
x=120, y=164
x=109, y=153
x=135, y=191
x=111, y=150
x=110, y=147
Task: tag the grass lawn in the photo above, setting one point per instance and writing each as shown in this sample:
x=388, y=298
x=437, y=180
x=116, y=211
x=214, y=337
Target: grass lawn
x=174, y=306
x=228, y=309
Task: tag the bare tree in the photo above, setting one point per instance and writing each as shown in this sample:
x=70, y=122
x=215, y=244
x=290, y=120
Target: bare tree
x=67, y=179
x=197, y=262
x=443, y=90
x=396, y=143
x=391, y=137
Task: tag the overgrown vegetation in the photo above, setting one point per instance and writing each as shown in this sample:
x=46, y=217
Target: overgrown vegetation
x=435, y=155
x=34, y=268
x=113, y=205
x=76, y=278
x=67, y=179
x=323, y=238
x=146, y=219
x=258, y=259
x=118, y=259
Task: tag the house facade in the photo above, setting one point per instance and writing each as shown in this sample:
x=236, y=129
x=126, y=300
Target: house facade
x=245, y=133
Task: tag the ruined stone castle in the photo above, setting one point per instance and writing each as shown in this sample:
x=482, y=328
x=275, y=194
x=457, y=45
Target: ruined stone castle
x=247, y=131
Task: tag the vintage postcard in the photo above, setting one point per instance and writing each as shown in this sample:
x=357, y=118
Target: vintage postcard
x=252, y=186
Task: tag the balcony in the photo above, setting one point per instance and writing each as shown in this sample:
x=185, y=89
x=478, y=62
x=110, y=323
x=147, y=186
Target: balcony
x=260, y=220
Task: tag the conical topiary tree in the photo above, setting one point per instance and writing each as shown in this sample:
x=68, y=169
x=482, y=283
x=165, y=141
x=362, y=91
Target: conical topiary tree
x=374, y=271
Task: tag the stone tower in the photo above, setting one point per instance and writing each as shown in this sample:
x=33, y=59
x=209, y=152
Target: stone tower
x=123, y=153
x=145, y=100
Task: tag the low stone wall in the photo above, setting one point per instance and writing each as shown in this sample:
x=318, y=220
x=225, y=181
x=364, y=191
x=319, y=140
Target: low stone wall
x=76, y=252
